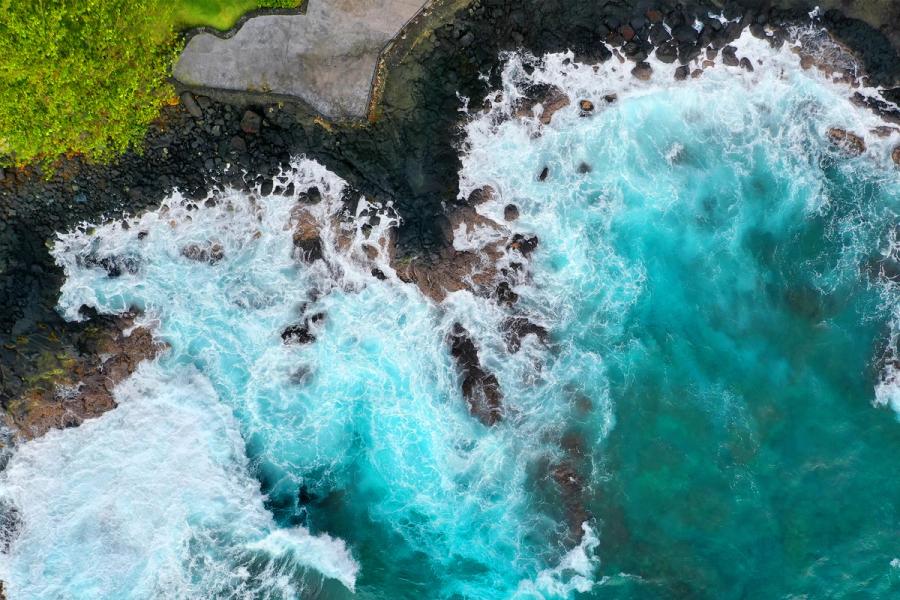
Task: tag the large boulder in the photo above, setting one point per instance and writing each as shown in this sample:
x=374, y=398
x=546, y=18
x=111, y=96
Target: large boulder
x=642, y=71
x=850, y=143
x=306, y=235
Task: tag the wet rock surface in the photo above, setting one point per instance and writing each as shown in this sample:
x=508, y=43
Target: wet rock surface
x=480, y=388
x=516, y=329
x=67, y=386
x=847, y=141
x=549, y=98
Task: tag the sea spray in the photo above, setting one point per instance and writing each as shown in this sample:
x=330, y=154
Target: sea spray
x=152, y=500
x=702, y=288
x=733, y=268
x=362, y=434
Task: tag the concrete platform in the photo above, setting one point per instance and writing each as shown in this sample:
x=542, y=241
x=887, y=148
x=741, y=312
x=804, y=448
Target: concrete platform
x=326, y=57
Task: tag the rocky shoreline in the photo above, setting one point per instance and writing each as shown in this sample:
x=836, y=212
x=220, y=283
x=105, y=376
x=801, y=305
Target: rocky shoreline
x=407, y=153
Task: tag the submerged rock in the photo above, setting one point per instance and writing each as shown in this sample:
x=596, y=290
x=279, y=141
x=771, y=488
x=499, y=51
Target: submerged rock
x=210, y=252
x=114, y=265
x=524, y=244
x=516, y=329
x=297, y=334
x=505, y=294
x=480, y=388
x=895, y=155
x=11, y=524
x=302, y=333
x=510, y=212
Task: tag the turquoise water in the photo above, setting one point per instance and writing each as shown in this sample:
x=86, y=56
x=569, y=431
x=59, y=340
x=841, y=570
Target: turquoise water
x=712, y=378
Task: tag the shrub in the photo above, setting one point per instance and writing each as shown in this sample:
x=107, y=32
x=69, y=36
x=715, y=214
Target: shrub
x=81, y=76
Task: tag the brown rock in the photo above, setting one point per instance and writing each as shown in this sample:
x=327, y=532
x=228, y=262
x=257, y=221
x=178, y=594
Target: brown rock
x=82, y=388
x=642, y=71
x=251, y=122
x=510, y=212
x=847, y=141
x=654, y=16
x=551, y=105
x=586, y=106
x=895, y=155
x=481, y=195
x=306, y=234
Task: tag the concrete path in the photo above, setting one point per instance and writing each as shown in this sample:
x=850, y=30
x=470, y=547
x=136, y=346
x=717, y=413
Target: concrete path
x=326, y=57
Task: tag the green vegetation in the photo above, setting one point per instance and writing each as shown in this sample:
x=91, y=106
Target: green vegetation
x=88, y=76
x=221, y=14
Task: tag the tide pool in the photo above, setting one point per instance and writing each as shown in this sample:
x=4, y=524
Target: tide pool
x=710, y=418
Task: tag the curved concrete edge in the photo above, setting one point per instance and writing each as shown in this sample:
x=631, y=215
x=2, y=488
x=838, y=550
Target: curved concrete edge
x=257, y=12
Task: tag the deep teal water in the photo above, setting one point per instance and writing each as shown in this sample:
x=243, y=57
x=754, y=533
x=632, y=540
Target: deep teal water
x=712, y=379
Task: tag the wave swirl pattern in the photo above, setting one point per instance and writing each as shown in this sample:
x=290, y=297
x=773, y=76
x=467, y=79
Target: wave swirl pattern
x=720, y=324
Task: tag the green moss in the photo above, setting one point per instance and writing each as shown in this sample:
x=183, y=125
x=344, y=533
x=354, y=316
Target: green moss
x=221, y=14
x=50, y=370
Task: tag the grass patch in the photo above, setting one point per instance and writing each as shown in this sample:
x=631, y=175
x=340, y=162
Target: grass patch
x=220, y=14
x=88, y=76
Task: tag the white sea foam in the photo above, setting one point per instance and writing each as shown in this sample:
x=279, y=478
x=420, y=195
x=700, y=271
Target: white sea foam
x=372, y=410
x=726, y=97
x=152, y=499
x=574, y=573
x=375, y=395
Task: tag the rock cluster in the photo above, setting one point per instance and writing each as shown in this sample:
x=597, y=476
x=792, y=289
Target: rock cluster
x=407, y=155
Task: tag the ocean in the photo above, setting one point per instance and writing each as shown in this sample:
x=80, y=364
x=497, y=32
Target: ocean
x=713, y=413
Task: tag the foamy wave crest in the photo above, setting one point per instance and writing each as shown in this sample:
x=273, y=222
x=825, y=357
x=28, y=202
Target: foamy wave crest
x=327, y=555
x=152, y=499
x=574, y=573
x=364, y=428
